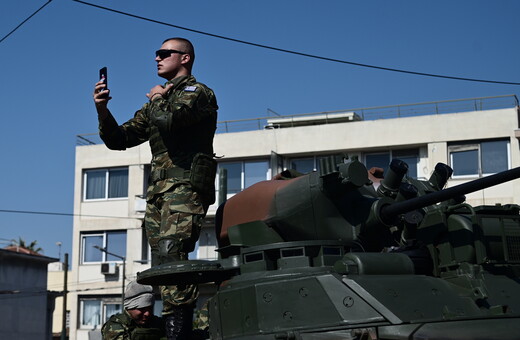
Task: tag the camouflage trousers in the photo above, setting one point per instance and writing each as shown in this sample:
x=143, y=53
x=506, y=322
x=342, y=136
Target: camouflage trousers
x=201, y=320
x=173, y=221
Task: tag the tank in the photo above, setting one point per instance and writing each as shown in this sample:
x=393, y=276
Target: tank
x=347, y=254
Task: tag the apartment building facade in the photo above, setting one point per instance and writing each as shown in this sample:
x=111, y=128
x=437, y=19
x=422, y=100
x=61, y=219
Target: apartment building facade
x=476, y=137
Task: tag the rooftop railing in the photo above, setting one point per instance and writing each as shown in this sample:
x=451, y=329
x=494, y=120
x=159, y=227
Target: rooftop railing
x=369, y=113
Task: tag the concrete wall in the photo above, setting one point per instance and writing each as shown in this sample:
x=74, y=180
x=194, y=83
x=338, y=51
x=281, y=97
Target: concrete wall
x=55, y=283
x=370, y=135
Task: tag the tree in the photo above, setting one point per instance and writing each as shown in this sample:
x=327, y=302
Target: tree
x=31, y=246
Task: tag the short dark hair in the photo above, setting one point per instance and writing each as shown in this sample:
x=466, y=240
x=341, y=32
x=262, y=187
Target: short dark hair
x=187, y=46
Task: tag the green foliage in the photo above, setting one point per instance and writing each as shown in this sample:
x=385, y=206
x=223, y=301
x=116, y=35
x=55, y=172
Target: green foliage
x=31, y=246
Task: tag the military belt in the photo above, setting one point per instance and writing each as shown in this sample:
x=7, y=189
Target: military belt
x=161, y=174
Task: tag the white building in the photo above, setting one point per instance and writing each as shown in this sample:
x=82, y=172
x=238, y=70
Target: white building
x=475, y=137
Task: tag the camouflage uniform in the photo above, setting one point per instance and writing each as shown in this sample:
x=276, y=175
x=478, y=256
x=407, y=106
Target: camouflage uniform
x=178, y=126
x=122, y=327
x=201, y=321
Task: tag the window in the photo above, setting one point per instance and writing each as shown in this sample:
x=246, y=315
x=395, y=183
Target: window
x=383, y=159
x=241, y=175
x=105, y=183
x=410, y=157
x=255, y=172
x=146, y=250
x=309, y=164
x=303, y=165
x=95, y=311
x=379, y=160
x=110, y=309
x=90, y=314
x=113, y=241
x=234, y=176
x=147, y=170
x=207, y=244
x=479, y=159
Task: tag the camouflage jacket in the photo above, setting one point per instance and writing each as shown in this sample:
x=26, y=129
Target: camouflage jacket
x=121, y=327
x=178, y=126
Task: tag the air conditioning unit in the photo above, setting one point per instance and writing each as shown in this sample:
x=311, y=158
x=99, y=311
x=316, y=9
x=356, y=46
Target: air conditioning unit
x=140, y=204
x=108, y=268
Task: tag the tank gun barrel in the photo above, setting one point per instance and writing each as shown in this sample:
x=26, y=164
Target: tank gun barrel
x=388, y=212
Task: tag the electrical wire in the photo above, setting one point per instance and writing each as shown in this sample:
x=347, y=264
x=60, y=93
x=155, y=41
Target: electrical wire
x=295, y=52
x=64, y=214
x=18, y=294
x=73, y=287
x=23, y=22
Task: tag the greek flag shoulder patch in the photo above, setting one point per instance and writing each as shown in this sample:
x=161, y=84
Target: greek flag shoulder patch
x=190, y=88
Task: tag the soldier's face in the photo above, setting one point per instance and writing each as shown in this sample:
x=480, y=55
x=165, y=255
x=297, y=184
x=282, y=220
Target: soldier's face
x=168, y=67
x=141, y=316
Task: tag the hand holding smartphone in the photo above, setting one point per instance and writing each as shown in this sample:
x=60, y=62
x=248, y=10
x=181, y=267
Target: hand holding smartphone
x=103, y=77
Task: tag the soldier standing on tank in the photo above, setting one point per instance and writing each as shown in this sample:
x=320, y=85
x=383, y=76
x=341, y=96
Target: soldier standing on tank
x=179, y=121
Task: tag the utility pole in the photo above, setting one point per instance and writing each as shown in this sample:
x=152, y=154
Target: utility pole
x=64, y=313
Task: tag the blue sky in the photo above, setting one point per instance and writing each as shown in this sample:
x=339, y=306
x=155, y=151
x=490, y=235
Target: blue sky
x=49, y=66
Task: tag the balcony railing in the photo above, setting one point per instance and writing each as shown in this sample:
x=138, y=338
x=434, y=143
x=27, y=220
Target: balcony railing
x=369, y=113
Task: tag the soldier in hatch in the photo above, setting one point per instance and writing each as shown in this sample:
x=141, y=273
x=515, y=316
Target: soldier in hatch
x=137, y=321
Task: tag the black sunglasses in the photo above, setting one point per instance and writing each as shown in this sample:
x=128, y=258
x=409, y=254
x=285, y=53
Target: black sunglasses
x=166, y=53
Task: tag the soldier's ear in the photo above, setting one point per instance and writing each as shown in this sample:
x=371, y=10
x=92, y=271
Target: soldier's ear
x=186, y=58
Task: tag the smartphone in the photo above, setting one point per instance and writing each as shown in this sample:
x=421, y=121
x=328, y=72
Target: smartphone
x=103, y=76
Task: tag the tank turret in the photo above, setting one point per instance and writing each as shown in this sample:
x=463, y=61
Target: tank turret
x=330, y=256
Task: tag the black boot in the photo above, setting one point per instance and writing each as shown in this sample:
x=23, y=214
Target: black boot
x=168, y=251
x=200, y=334
x=179, y=324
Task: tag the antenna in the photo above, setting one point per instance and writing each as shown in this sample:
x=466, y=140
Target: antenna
x=271, y=111
x=59, y=250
